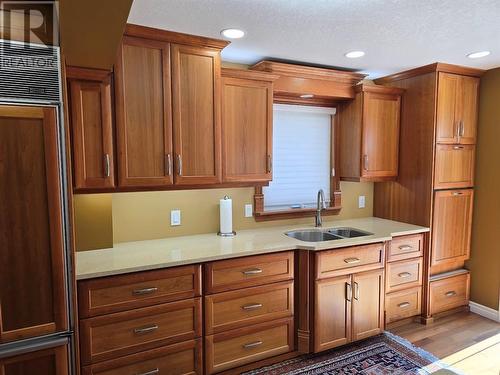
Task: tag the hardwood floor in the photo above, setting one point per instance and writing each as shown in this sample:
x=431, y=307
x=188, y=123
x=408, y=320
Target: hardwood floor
x=466, y=341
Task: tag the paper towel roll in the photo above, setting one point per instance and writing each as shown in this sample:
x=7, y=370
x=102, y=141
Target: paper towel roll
x=226, y=216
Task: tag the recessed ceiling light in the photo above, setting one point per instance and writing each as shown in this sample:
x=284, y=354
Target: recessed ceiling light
x=307, y=96
x=233, y=33
x=477, y=55
x=354, y=54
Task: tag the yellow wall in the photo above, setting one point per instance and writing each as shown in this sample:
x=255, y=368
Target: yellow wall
x=146, y=215
x=485, y=255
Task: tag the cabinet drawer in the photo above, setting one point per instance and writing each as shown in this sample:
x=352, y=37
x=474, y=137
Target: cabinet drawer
x=119, y=293
x=114, y=335
x=446, y=294
x=178, y=359
x=239, y=347
x=454, y=166
x=241, y=308
x=403, y=304
x=405, y=247
x=404, y=274
x=249, y=271
x=350, y=260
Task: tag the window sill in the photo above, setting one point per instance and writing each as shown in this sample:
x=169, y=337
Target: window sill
x=294, y=213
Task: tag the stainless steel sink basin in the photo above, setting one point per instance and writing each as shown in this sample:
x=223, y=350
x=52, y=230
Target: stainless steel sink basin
x=348, y=232
x=312, y=235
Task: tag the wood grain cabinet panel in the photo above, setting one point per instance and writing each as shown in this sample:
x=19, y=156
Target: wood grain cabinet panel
x=403, y=304
x=53, y=361
x=126, y=292
x=405, y=247
x=448, y=293
x=143, y=113
x=196, y=92
x=454, y=166
x=32, y=295
x=247, y=125
x=404, y=274
x=178, y=359
x=114, y=335
x=467, y=108
x=451, y=226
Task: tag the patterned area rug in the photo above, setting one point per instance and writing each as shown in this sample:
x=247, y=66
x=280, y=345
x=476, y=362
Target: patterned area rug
x=385, y=354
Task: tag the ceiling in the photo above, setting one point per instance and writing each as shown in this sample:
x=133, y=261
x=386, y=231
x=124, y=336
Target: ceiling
x=395, y=34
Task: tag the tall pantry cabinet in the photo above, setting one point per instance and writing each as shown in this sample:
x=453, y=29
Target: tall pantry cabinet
x=436, y=174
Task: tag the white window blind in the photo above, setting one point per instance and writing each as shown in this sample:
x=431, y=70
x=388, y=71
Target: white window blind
x=301, y=157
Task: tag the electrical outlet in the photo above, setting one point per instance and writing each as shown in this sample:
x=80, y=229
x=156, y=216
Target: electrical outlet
x=248, y=210
x=361, y=201
x=175, y=217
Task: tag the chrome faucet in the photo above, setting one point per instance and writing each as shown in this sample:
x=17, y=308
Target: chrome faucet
x=321, y=205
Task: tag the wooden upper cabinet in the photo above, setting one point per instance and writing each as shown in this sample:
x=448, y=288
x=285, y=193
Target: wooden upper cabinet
x=196, y=91
x=91, y=128
x=247, y=125
x=143, y=113
x=369, y=134
x=457, y=109
x=32, y=287
x=451, y=232
x=454, y=166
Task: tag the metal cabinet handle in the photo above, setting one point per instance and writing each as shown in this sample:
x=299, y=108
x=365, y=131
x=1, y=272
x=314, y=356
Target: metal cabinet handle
x=405, y=247
x=107, y=165
x=269, y=164
x=252, y=271
x=457, y=193
x=352, y=260
x=451, y=293
x=457, y=131
x=168, y=164
x=152, y=372
x=458, y=147
x=148, y=329
x=251, y=345
x=140, y=292
x=356, y=291
x=252, y=306
x=179, y=165
x=404, y=304
x=348, y=292
x=404, y=275
x=365, y=162
x=462, y=128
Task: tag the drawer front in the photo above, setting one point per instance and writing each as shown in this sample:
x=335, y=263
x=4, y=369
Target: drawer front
x=446, y=294
x=405, y=247
x=229, y=310
x=249, y=271
x=119, y=293
x=404, y=274
x=454, y=166
x=338, y=262
x=239, y=347
x=403, y=304
x=114, y=335
x=178, y=359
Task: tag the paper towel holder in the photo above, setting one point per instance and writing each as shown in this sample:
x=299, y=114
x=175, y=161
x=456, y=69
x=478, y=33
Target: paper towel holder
x=230, y=234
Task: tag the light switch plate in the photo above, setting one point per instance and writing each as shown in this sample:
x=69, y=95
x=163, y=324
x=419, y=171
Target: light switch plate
x=175, y=217
x=248, y=210
x=361, y=201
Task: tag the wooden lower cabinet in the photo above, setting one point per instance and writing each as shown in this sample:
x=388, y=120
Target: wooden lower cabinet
x=447, y=293
x=245, y=345
x=184, y=358
x=403, y=304
x=404, y=274
x=52, y=361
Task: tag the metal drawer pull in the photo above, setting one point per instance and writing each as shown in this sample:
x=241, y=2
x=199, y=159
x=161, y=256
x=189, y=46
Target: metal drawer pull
x=352, y=260
x=168, y=164
x=252, y=306
x=348, y=292
x=252, y=271
x=152, y=372
x=404, y=304
x=107, y=168
x=458, y=193
x=140, y=292
x=458, y=147
x=252, y=344
x=356, y=291
x=404, y=275
x=365, y=162
x=451, y=293
x=179, y=165
x=269, y=164
x=405, y=247
x=143, y=330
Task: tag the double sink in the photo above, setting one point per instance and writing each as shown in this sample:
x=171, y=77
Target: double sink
x=318, y=235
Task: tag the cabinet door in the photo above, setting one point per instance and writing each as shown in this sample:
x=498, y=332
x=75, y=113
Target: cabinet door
x=32, y=292
x=247, y=123
x=381, y=114
x=467, y=109
x=92, y=134
x=196, y=114
x=454, y=166
x=143, y=113
x=451, y=227
x=53, y=361
x=332, y=312
x=367, y=304
x=447, y=123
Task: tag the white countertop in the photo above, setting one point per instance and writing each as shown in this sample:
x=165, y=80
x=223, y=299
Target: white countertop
x=168, y=252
